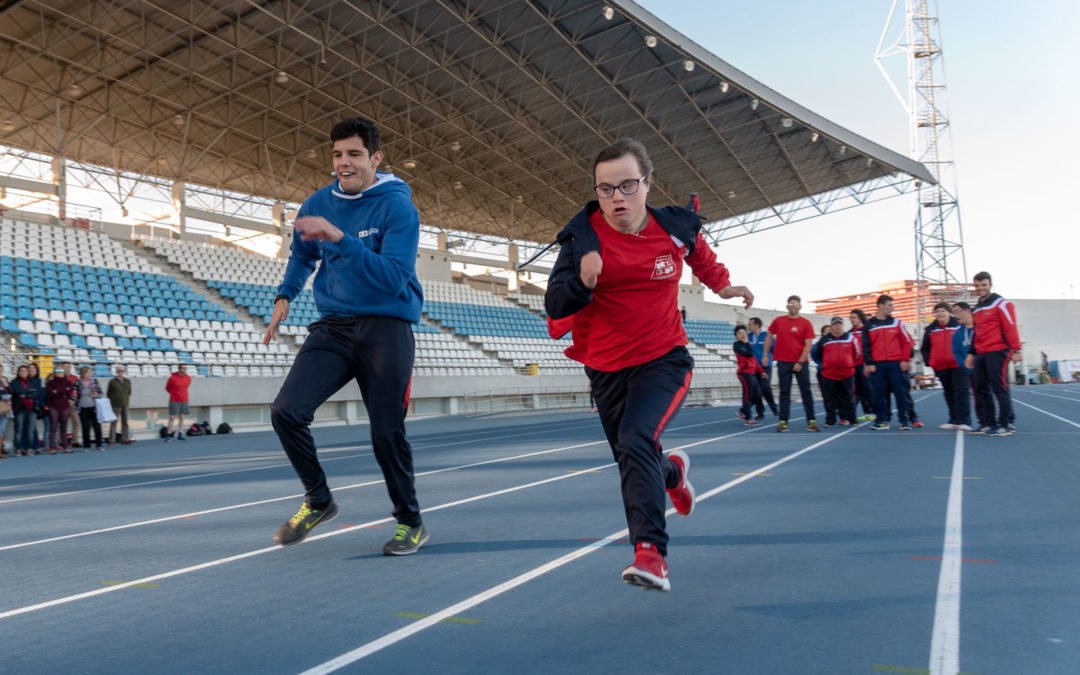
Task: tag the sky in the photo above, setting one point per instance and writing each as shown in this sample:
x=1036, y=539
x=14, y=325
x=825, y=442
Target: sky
x=1011, y=76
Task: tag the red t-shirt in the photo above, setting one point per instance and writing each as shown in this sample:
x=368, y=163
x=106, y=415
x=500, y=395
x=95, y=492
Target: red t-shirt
x=790, y=336
x=634, y=316
x=177, y=386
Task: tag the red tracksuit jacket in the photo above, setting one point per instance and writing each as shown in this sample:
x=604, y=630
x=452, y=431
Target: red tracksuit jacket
x=886, y=340
x=995, y=326
x=839, y=356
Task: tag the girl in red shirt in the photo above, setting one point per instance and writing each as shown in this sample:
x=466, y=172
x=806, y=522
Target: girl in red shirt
x=616, y=284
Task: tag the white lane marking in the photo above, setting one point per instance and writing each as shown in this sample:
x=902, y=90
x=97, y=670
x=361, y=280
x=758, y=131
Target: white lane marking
x=1042, y=393
x=249, y=554
x=945, y=640
x=1016, y=400
x=468, y=603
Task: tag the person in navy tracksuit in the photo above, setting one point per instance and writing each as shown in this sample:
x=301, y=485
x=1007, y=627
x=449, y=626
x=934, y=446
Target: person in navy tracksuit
x=887, y=349
x=756, y=336
x=748, y=371
x=961, y=344
x=937, y=352
x=364, y=229
x=615, y=284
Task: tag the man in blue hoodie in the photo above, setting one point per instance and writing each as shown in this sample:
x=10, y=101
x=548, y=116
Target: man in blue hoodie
x=365, y=230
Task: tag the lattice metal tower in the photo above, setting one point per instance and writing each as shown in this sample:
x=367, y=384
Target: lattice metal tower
x=939, y=240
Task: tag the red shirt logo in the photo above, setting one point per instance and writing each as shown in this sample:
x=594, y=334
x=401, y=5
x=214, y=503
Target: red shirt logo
x=664, y=267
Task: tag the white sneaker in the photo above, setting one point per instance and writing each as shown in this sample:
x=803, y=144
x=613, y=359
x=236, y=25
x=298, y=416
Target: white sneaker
x=963, y=427
x=947, y=425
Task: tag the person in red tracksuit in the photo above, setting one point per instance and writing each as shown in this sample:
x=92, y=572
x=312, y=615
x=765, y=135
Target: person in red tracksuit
x=748, y=370
x=838, y=352
x=937, y=352
x=887, y=349
x=615, y=283
x=864, y=393
x=996, y=344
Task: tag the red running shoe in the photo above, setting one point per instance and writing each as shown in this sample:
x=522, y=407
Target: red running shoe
x=649, y=569
x=682, y=495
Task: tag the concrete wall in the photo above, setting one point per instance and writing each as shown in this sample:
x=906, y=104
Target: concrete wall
x=1051, y=326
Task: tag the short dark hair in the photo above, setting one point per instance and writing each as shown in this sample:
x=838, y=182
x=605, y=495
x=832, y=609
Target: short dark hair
x=755, y=321
x=795, y=298
x=358, y=126
x=983, y=276
x=740, y=327
x=882, y=299
x=825, y=329
x=942, y=305
x=962, y=306
x=859, y=313
x=621, y=148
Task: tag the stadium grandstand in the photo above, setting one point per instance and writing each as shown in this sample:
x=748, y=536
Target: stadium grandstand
x=215, y=117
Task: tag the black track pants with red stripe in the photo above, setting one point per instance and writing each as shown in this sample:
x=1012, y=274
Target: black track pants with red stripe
x=635, y=404
x=991, y=381
x=751, y=395
x=378, y=353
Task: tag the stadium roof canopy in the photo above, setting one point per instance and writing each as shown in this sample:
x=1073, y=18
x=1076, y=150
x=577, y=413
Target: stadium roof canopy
x=491, y=109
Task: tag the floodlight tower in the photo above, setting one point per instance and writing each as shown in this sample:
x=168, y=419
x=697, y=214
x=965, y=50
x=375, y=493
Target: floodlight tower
x=939, y=238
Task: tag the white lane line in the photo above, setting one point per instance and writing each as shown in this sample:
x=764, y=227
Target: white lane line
x=221, y=561
x=463, y=606
x=1041, y=393
x=1016, y=400
x=945, y=640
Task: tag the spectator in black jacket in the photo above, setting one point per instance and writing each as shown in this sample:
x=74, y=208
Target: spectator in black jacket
x=25, y=404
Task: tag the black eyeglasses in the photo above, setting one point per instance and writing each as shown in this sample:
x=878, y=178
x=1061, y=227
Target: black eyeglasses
x=627, y=187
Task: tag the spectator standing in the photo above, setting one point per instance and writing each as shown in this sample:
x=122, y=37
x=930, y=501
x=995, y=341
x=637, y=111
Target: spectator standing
x=87, y=391
x=887, y=349
x=995, y=346
x=365, y=229
x=864, y=392
x=25, y=404
x=69, y=368
x=58, y=394
x=793, y=336
x=756, y=336
x=621, y=257
x=119, y=394
x=837, y=353
x=937, y=352
x=5, y=409
x=961, y=345
x=748, y=371
x=38, y=441
x=177, y=386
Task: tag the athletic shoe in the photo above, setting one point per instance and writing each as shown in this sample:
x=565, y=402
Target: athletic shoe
x=948, y=425
x=181, y=437
x=1012, y=428
x=759, y=418
x=407, y=540
x=168, y=437
x=682, y=495
x=781, y=427
x=879, y=426
x=812, y=426
x=865, y=418
x=753, y=422
x=649, y=569
x=297, y=528
x=997, y=431
x=963, y=427
x=916, y=423
x=740, y=415
x=830, y=425
x=844, y=423
x=983, y=430
x=904, y=426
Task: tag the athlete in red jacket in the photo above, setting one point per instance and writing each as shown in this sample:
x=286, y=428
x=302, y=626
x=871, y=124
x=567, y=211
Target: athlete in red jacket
x=616, y=284
x=838, y=353
x=937, y=352
x=748, y=370
x=995, y=345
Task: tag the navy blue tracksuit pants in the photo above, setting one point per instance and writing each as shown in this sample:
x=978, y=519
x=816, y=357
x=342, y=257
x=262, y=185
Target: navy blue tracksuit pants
x=863, y=391
x=751, y=395
x=839, y=397
x=764, y=383
x=378, y=353
x=635, y=404
x=955, y=383
x=991, y=379
x=784, y=371
x=888, y=378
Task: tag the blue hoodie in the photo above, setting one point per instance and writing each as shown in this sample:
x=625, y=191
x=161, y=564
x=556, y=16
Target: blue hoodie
x=372, y=270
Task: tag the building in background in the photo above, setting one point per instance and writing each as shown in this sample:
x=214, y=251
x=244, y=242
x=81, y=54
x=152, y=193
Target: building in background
x=906, y=300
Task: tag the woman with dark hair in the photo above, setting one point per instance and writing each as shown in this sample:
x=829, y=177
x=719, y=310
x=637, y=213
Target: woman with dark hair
x=87, y=391
x=616, y=285
x=5, y=408
x=58, y=393
x=863, y=392
x=38, y=441
x=25, y=403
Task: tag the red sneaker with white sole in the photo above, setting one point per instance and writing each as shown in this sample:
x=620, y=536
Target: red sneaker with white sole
x=649, y=569
x=682, y=495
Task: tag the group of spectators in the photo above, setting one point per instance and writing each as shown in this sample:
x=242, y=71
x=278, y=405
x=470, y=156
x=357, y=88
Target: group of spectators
x=66, y=405
x=968, y=348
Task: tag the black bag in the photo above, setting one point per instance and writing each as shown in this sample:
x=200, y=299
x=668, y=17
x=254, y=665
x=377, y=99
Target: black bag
x=194, y=430
x=163, y=432
x=224, y=428
x=205, y=426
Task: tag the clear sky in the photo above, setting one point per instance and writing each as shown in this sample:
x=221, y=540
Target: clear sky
x=1012, y=75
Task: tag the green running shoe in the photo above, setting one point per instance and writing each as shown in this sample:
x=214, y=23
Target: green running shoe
x=296, y=529
x=781, y=427
x=866, y=418
x=407, y=540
